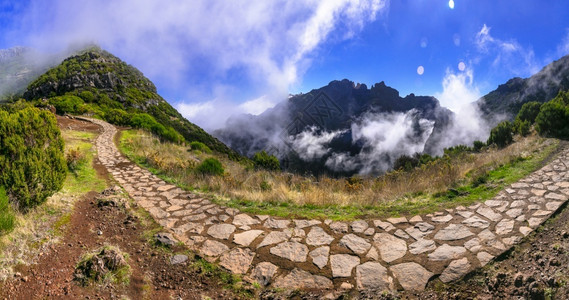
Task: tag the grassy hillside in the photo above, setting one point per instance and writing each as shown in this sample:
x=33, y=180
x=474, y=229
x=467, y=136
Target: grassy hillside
x=94, y=82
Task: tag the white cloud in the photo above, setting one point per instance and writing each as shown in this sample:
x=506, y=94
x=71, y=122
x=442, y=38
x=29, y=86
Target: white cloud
x=563, y=47
x=202, y=43
x=459, y=95
x=311, y=144
x=257, y=106
x=508, y=55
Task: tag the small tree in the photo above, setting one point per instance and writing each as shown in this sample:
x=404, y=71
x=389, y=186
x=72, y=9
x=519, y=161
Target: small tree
x=266, y=161
x=553, y=119
x=211, y=166
x=529, y=111
x=501, y=135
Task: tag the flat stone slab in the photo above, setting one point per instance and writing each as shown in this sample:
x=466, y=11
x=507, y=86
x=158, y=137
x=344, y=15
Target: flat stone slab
x=237, y=260
x=320, y=256
x=455, y=270
x=247, y=237
x=355, y=243
x=300, y=279
x=453, y=232
x=213, y=248
x=343, y=264
x=317, y=236
x=422, y=246
x=411, y=276
x=293, y=251
x=390, y=247
x=372, y=275
x=264, y=272
x=446, y=252
x=221, y=231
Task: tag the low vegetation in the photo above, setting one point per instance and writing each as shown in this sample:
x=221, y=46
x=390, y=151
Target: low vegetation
x=423, y=184
x=31, y=156
x=7, y=216
x=42, y=225
x=105, y=265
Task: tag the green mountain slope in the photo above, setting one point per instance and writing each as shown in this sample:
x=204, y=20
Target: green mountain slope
x=95, y=82
x=505, y=101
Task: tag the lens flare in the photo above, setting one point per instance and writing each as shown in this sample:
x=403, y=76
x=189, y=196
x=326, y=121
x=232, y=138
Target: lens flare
x=451, y=4
x=461, y=66
x=420, y=70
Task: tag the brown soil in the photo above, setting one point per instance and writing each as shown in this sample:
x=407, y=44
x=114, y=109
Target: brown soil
x=153, y=276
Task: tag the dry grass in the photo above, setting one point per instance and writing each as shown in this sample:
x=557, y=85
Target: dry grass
x=243, y=182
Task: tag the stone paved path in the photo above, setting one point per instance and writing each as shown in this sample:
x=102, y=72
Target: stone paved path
x=378, y=254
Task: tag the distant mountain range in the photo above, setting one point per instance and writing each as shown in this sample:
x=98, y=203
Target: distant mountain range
x=345, y=128
x=342, y=128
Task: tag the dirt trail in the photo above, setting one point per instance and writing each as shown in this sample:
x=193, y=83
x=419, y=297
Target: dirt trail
x=91, y=226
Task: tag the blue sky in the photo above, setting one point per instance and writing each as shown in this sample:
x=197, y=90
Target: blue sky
x=211, y=59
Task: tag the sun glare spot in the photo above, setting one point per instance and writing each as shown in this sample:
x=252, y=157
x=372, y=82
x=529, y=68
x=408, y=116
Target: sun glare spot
x=451, y=4
x=420, y=70
x=461, y=66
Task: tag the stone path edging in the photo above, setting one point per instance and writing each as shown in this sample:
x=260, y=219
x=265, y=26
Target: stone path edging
x=366, y=254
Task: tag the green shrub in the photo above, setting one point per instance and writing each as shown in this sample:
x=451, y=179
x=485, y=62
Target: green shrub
x=32, y=161
x=478, y=145
x=553, y=118
x=265, y=161
x=405, y=163
x=146, y=121
x=210, y=166
x=117, y=116
x=199, y=146
x=456, y=150
x=529, y=111
x=501, y=135
x=68, y=104
x=7, y=218
x=521, y=127
x=87, y=96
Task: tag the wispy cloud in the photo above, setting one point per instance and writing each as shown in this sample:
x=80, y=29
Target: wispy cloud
x=267, y=45
x=507, y=55
x=563, y=47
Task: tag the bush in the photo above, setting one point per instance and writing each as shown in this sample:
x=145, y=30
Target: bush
x=117, y=116
x=529, y=111
x=501, y=135
x=265, y=161
x=75, y=158
x=146, y=121
x=31, y=156
x=68, y=104
x=199, y=146
x=405, y=163
x=7, y=218
x=553, y=118
x=210, y=166
x=478, y=145
x=456, y=150
x=521, y=127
